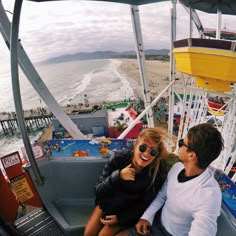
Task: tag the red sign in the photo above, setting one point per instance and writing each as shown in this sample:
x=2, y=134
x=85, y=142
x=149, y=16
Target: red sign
x=21, y=182
x=12, y=164
x=9, y=205
x=10, y=160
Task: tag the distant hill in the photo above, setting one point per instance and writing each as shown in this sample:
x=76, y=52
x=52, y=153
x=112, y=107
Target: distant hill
x=150, y=54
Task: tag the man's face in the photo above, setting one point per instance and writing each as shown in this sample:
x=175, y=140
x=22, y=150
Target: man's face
x=183, y=149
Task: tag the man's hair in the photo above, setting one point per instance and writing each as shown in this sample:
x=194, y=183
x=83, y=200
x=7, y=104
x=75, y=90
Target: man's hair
x=207, y=142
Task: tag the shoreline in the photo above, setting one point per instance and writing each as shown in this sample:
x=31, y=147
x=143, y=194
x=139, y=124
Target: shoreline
x=157, y=73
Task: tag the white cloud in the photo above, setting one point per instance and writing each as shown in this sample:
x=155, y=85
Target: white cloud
x=54, y=28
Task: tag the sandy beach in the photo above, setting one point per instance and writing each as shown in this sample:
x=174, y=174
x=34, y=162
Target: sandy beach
x=157, y=74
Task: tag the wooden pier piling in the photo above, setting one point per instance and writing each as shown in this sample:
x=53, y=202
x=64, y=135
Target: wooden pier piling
x=10, y=125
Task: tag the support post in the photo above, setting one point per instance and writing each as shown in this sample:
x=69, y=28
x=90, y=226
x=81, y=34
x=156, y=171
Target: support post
x=172, y=67
x=16, y=90
x=141, y=61
x=35, y=79
x=219, y=15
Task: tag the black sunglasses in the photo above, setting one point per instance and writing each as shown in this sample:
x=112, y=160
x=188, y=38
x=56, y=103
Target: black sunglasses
x=153, y=152
x=181, y=143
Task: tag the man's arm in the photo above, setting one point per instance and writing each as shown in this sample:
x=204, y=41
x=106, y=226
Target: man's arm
x=156, y=204
x=148, y=216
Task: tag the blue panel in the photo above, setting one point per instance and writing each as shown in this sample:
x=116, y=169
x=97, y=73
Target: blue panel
x=95, y=147
x=228, y=189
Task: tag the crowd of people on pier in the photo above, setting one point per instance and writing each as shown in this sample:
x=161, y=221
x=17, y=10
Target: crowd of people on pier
x=39, y=111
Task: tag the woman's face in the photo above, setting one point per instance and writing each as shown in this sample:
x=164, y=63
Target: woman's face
x=143, y=153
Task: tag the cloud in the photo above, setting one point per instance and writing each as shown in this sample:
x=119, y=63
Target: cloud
x=53, y=28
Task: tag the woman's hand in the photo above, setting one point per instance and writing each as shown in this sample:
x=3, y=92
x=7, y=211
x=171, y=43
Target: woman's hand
x=128, y=173
x=109, y=220
x=142, y=227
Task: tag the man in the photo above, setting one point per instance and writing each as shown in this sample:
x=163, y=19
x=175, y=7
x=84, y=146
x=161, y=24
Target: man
x=191, y=197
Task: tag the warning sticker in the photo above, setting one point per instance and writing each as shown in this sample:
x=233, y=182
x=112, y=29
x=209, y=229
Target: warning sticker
x=10, y=160
x=21, y=188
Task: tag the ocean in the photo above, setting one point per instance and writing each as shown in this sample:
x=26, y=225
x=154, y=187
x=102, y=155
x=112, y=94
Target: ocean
x=100, y=80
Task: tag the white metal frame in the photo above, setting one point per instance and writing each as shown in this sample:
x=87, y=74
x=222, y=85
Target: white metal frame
x=196, y=115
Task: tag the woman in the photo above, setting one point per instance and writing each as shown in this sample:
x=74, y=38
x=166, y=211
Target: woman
x=128, y=184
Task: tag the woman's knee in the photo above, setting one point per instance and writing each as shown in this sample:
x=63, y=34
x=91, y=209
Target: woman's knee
x=89, y=233
x=122, y=233
x=92, y=230
x=94, y=225
x=128, y=232
x=109, y=230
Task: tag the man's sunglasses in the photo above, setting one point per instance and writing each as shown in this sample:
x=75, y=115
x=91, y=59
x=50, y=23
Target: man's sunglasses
x=181, y=143
x=153, y=152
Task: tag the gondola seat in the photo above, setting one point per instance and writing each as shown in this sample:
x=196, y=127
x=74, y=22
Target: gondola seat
x=68, y=190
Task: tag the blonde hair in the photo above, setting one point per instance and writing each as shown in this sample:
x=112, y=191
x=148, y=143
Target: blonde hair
x=156, y=135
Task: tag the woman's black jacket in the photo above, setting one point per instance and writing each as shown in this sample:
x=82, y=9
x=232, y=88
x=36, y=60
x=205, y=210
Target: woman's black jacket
x=127, y=199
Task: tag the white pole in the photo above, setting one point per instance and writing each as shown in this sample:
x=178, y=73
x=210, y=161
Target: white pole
x=35, y=79
x=190, y=22
x=141, y=61
x=172, y=67
x=218, y=30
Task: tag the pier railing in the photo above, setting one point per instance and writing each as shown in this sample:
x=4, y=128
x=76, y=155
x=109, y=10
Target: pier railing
x=9, y=125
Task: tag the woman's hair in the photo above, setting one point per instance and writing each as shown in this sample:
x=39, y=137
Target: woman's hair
x=155, y=135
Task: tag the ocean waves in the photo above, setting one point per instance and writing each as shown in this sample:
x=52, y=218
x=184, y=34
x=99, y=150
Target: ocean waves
x=68, y=82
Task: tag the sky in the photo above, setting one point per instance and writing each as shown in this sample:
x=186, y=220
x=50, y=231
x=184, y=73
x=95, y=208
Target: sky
x=52, y=29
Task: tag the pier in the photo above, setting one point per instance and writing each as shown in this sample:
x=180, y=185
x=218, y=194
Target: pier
x=41, y=117
x=34, y=119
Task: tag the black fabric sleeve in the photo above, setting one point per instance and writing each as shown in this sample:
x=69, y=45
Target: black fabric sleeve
x=109, y=178
x=131, y=215
x=133, y=212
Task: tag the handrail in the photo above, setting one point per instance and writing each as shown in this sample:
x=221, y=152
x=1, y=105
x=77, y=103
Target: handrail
x=16, y=89
x=145, y=110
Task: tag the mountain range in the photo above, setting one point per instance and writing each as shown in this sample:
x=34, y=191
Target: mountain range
x=153, y=53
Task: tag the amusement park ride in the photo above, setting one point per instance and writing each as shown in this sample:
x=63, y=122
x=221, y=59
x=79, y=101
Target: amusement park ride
x=61, y=187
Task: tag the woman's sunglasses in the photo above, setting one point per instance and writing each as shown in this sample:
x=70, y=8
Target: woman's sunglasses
x=153, y=152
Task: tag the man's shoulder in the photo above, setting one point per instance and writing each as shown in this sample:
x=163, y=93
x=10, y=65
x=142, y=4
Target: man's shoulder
x=177, y=167
x=209, y=187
